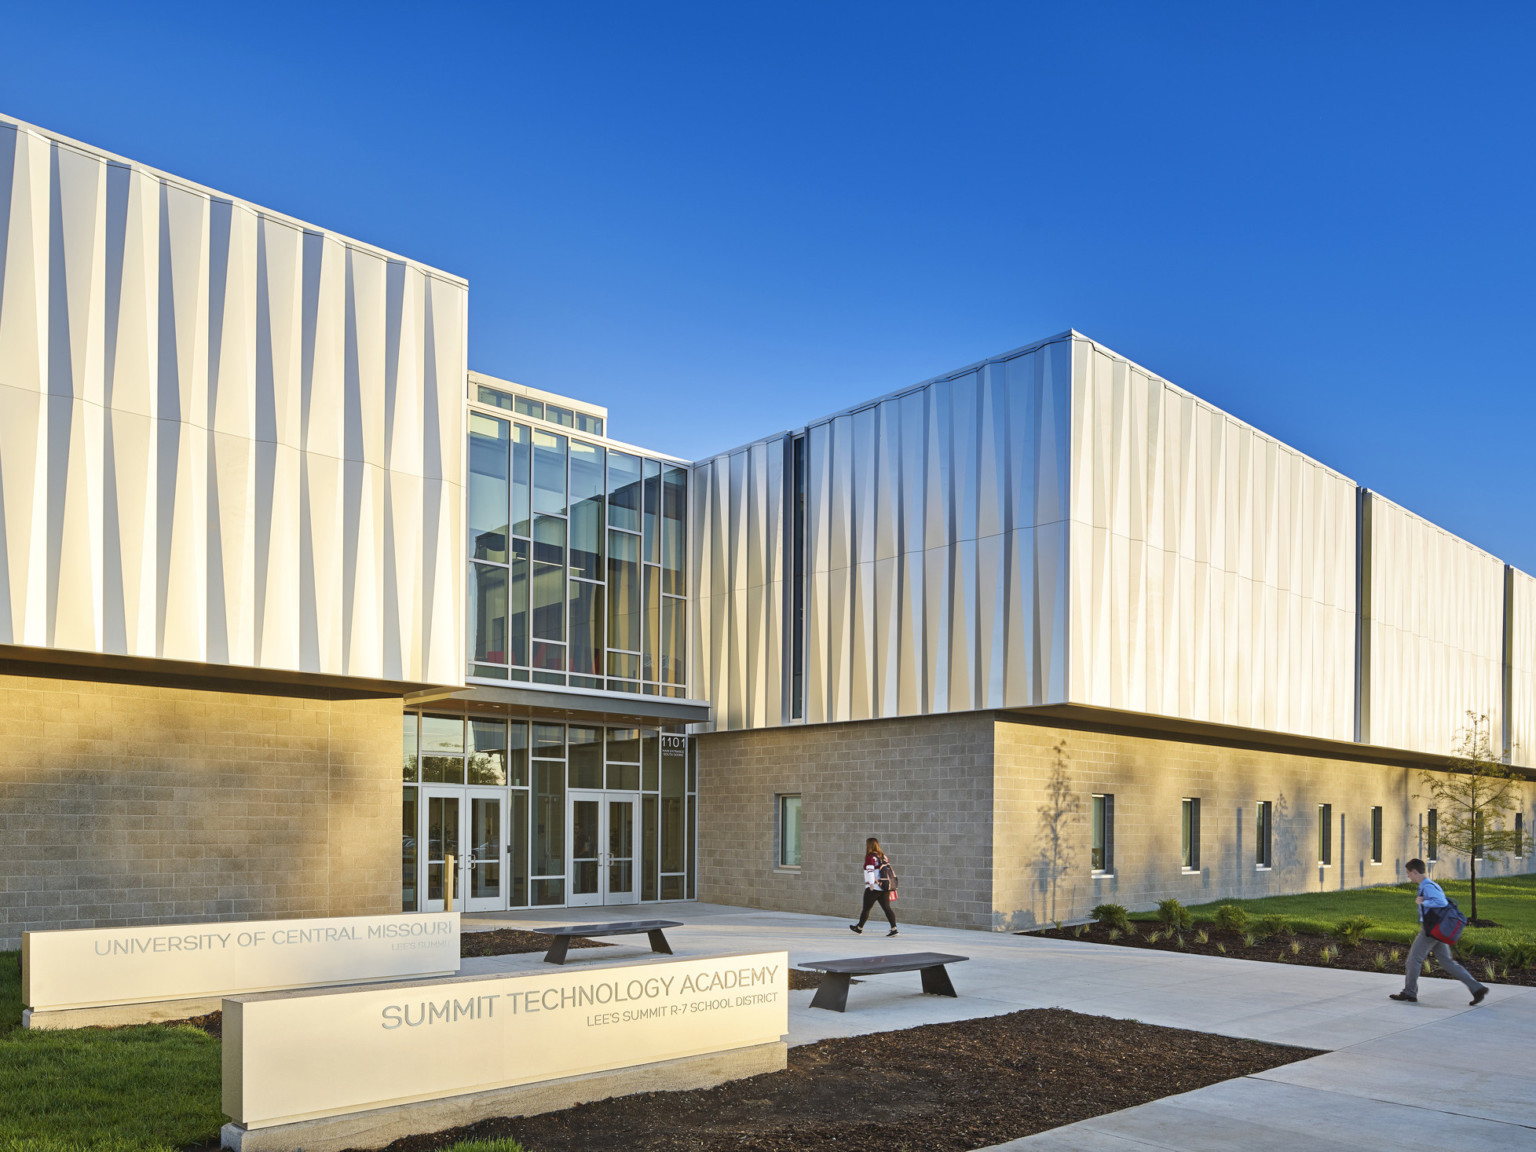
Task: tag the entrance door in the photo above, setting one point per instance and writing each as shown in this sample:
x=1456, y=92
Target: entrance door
x=601, y=865
x=468, y=824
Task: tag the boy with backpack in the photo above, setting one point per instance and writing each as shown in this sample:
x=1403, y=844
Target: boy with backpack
x=1433, y=908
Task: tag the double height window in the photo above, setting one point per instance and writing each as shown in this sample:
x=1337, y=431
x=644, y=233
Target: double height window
x=1376, y=835
x=1325, y=835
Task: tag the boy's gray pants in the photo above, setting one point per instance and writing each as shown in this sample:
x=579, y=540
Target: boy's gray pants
x=1423, y=945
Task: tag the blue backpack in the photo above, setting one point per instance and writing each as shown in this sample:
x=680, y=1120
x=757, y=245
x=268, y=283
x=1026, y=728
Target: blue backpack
x=1447, y=924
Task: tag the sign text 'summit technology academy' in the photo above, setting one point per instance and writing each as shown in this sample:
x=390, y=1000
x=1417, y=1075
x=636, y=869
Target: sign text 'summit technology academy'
x=301, y=1055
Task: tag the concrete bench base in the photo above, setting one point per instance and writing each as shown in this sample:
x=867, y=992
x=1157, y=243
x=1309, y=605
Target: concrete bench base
x=380, y=1126
x=116, y=1015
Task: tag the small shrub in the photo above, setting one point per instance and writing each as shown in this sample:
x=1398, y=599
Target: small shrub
x=1425, y=968
x=1057, y=923
x=1114, y=934
x=1173, y=914
x=1491, y=969
x=1353, y=930
x=1379, y=961
x=1179, y=940
x=1154, y=936
x=1273, y=925
x=1395, y=955
x=1295, y=947
x=1222, y=948
x=1114, y=915
x=1518, y=952
x=1249, y=939
x=1079, y=930
x=1203, y=937
x=1231, y=918
x=1326, y=953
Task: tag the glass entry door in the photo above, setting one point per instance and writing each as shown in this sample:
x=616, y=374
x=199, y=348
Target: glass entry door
x=470, y=825
x=602, y=867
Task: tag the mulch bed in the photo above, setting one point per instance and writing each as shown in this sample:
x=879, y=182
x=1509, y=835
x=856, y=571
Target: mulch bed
x=935, y=1088
x=1283, y=948
x=507, y=941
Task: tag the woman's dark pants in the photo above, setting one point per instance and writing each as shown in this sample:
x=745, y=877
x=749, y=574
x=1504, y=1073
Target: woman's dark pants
x=873, y=896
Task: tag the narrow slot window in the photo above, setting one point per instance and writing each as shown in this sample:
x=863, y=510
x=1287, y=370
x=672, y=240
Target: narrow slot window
x=1191, y=834
x=1103, y=861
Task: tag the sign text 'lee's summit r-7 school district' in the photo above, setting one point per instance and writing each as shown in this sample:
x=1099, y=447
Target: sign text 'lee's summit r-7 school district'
x=302, y=1055
x=91, y=967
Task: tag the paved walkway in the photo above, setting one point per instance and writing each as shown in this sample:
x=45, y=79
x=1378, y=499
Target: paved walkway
x=1433, y=1075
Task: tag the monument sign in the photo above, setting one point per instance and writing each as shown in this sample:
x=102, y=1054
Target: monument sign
x=67, y=974
x=297, y=1056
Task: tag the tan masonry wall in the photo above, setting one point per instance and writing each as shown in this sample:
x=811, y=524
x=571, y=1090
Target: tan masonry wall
x=1149, y=778
x=922, y=785
x=965, y=805
x=124, y=803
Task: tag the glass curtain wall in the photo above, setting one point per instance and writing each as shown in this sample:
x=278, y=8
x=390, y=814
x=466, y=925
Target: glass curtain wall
x=536, y=763
x=577, y=562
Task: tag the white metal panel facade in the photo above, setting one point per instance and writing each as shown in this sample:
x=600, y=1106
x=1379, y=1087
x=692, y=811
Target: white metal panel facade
x=225, y=437
x=1522, y=669
x=1212, y=567
x=935, y=554
x=1437, y=633
x=738, y=566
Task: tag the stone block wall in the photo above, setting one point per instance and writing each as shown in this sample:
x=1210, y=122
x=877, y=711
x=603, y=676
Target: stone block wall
x=138, y=803
x=922, y=785
x=988, y=818
x=1149, y=777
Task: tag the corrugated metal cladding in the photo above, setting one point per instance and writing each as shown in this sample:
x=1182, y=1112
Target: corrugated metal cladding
x=1522, y=669
x=1212, y=567
x=1437, y=633
x=936, y=531
x=225, y=437
x=1213, y=573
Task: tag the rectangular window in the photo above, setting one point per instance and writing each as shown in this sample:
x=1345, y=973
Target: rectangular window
x=674, y=530
x=522, y=457
x=488, y=462
x=1432, y=835
x=408, y=852
x=527, y=407
x=1375, y=835
x=1325, y=835
x=789, y=831
x=488, y=609
x=586, y=647
x=408, y=749
x=1191, y=834
x=1103, y=858
x=624, y=491
x=797, y=594
x=549, y=473
x=1519, y=835
x=587, y=528
x=548, y=578
x=624, y=591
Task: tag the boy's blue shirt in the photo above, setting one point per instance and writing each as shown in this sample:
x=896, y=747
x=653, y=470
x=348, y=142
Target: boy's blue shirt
x=1434, y=896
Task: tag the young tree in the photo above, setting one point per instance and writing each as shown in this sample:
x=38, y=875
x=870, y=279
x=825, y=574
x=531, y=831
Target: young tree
x=1473, y=799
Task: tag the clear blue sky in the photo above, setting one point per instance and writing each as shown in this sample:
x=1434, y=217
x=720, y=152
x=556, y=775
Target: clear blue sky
x=721, y=220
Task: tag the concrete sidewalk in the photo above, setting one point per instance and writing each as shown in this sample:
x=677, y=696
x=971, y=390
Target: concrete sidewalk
x=1431, y=1075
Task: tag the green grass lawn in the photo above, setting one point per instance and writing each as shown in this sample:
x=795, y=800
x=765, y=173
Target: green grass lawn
x=1508, y=900
x=143, y=1089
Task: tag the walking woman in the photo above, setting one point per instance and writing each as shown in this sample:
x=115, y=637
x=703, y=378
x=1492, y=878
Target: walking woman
x=879, y=885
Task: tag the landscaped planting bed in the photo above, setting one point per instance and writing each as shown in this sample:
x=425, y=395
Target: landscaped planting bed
x=936, y=1088
x=1372, y=932
x=1284, y=947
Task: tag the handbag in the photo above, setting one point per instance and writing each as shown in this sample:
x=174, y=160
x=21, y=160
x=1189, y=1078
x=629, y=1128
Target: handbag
x=1448, y=922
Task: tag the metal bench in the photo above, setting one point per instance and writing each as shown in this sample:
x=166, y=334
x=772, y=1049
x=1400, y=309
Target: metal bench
x=652, y=928
x=833, y=993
